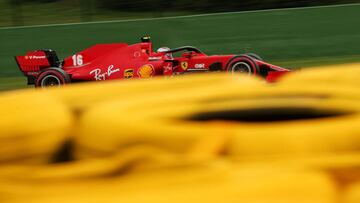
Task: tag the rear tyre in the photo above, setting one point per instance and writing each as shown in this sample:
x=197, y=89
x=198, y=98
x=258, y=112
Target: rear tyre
x=52, y=77
x=242, y=64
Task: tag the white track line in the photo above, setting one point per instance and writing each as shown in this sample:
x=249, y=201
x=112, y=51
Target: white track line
x=178, y=17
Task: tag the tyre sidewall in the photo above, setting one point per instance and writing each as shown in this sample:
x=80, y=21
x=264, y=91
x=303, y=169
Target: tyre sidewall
x=254, y=56
x=58, y=73
x=246, y=59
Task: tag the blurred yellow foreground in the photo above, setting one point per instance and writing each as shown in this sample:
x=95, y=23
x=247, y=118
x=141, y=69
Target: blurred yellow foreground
x=199, y=138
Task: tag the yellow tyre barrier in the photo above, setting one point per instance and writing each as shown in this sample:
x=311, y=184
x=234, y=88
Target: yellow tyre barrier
x=211, y=182
x=82, y=96
x=337, y=81
x=226, y=87
x=256, y=124
x=187, y=131
x=37, y=118
x=352, y=193
x=32, y=126
x=335, y=76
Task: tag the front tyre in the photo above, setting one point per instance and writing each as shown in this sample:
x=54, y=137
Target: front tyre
x=52, y=77
x=242, y=64
x=255, y=56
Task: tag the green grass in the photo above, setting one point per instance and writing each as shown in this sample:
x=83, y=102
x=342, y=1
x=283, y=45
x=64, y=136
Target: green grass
x=292, y=38
x=11, y=83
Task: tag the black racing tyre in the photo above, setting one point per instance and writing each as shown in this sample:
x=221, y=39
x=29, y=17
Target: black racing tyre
x=255, y=56
x=52, y=77
x=242, y=64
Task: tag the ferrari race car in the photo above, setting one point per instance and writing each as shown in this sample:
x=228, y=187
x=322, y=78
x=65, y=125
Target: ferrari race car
x=122, y=61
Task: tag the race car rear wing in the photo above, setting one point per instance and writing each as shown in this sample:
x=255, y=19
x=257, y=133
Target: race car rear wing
x=33, y=62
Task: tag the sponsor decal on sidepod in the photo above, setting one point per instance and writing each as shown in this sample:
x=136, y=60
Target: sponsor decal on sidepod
x=146, y=71
x=128, y=73
x=102, y=76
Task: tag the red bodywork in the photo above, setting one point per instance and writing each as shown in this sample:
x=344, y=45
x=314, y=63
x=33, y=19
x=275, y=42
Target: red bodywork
x=122, y=61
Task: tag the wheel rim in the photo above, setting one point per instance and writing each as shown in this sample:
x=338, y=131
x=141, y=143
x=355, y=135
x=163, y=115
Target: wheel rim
x=50, y=80
x=241, y=67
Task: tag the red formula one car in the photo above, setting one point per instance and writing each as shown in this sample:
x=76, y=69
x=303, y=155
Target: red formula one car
x=123, y=61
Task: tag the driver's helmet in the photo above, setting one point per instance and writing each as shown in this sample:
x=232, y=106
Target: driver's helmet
x=165, y=49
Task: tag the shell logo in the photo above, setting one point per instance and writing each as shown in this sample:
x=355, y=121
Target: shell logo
x=146, y=71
